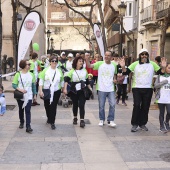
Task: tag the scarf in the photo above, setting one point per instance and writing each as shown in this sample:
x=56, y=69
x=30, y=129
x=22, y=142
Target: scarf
x=26, y=99
x=53, y=82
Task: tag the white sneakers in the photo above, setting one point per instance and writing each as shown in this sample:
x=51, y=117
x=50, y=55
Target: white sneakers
x=101, y=123
x=111, y=123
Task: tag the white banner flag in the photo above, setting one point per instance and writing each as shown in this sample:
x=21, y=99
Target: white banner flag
x=99, y=39
x=27, y=31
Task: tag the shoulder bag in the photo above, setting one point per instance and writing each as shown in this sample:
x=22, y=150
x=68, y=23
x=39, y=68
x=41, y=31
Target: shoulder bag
x=18, y=95
x=86, y=90
x=47, y=92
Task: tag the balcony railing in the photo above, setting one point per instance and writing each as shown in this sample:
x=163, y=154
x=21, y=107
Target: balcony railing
x=163, y=9
x=115, y=39
x=148, y=14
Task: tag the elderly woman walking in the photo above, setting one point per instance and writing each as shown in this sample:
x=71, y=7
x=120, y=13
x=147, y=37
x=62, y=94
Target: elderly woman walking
x=50, y=84
x=24, y=81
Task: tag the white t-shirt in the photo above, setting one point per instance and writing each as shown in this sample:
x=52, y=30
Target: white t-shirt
x=165, y=91
x=47, y=75
x=36, y=70
x=47, y=63
x=78, y=75
x=106, y=74
x=143, y=74
x=27, y=80
x=69, y=65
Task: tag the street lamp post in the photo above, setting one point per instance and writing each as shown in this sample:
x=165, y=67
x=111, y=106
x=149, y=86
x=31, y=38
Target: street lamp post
x=52, y=43
x=48, y=41
x=93, y=39
x=122, y=10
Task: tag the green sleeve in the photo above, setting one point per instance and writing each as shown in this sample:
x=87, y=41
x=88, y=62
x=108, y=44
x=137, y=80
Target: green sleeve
x=133, y=65
x=33, y=77
x=14, y=86
x=15, y=80
x=115, y=65
x=97, y=64
x=32, y=65
x=86, y=74
x=62, y=77
x=70, y=74
x=155, y=66
x=39, y=62
x=59, y=63
x=42, y=74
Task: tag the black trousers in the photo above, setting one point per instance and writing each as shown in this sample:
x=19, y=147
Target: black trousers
x=162, y=112
x=78, y=102
x=51, y=109
x=95, y=79
x=142, y=99
x=27, y=112
x=122, y=88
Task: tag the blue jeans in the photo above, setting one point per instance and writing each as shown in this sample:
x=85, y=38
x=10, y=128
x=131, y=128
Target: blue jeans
x=102, y=100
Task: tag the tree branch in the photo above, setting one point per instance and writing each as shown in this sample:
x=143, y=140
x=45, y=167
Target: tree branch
x=85, y=36
x=92, y=5
x=37, y=5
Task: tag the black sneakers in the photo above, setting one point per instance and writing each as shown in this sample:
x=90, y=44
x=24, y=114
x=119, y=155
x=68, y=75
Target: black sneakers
x=82, y=123
x=53, y=126
x=163, y=130
x=29, y=130
x=75, y=121
x=21, y=126
x=167, y=126
x=134, y=128
x=143, y=127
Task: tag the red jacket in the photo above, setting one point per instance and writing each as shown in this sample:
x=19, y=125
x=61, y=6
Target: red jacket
x=94, y=72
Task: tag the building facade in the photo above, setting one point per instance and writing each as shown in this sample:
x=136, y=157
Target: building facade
x=7, y=15
x=144, y=23
x=152, y=16
x=67, y=27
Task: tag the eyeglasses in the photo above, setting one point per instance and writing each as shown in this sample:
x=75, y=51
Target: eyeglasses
x=144, y=54
x=54, y=61
x=28, y=64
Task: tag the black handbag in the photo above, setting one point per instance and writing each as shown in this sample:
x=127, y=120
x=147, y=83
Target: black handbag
x=87, y=93
x=18, y=95
x=86, y=90
x=47, y=92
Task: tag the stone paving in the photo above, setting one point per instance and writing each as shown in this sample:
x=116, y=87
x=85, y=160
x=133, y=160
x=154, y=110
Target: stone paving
x=73, y=148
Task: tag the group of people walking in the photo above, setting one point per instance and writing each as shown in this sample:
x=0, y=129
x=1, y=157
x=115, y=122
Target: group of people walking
x=52, y=82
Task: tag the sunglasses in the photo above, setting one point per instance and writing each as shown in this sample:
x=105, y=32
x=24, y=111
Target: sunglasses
x=144, y=54
x=54, y=61
x=28, y=64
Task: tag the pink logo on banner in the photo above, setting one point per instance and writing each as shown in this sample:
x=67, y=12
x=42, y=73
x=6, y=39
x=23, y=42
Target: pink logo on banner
x=98, y=33
x=29, y=25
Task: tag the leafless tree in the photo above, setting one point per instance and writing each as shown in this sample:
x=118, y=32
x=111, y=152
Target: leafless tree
x=74, y=5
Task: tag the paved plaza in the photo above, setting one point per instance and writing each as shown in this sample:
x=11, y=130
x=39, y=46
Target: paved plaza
x=73, y=148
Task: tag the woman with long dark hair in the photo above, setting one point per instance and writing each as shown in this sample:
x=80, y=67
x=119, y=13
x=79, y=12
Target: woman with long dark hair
x=78, y=77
